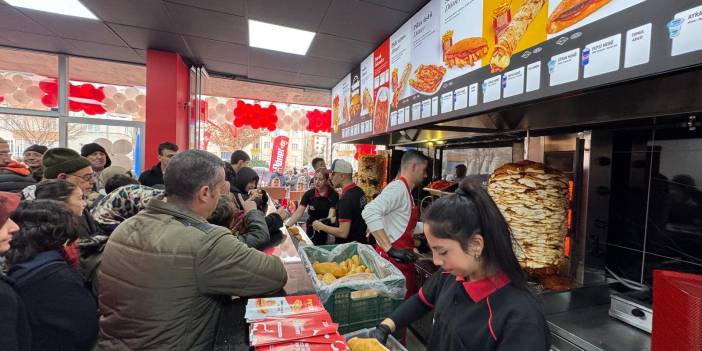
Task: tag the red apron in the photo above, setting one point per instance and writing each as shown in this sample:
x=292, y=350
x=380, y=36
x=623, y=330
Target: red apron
x=405, y=242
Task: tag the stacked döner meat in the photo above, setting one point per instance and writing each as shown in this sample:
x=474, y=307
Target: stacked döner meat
x=534, y=200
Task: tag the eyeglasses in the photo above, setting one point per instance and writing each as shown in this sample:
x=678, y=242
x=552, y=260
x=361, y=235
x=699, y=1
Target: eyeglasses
x=86, y=177
x=5, y=153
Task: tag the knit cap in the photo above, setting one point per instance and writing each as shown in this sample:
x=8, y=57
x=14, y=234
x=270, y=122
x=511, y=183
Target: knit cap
x=62, y=160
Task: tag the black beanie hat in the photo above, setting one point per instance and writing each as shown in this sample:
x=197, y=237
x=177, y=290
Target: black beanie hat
x=88, y=149
x=62, y=160
x=37, y=148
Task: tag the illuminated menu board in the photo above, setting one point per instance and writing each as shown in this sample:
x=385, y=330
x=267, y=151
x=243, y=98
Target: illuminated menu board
x=456, y=58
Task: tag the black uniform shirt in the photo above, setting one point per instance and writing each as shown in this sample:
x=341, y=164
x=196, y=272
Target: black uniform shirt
x=318, y=204
x=349, y=208
x=489, y=314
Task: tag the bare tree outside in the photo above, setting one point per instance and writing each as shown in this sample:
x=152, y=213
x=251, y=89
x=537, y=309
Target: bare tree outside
x=230, y=142
x=36, y=130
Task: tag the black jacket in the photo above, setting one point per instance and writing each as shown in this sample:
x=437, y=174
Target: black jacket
x=152, y=177
x=62, y=313
x=13, y=182
x=15, y=335
x=229, y=173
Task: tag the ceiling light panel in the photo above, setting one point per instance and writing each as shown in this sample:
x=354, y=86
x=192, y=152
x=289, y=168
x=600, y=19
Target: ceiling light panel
x=61, y=7
x=279, y=38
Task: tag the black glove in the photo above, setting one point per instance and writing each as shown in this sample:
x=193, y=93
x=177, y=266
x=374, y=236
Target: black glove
x=402, y=256
x=380, y=333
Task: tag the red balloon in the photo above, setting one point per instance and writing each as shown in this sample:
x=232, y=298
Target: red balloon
x=49, y=100
x=49, y=86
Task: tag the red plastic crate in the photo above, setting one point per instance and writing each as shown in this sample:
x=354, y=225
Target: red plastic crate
x=677, y=311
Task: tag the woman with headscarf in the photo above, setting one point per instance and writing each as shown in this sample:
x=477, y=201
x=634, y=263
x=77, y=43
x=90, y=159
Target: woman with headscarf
x=116, y=207
x=245, y=185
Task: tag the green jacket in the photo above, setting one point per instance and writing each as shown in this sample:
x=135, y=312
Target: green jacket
x=165, y=274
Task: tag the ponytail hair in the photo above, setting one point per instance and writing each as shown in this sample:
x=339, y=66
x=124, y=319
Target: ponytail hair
x=472, y=211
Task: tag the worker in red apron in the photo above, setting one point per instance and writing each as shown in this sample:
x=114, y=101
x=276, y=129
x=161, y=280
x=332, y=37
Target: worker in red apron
x=392, y=217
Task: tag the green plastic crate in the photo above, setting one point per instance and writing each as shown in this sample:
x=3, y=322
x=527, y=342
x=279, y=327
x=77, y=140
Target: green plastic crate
x=353, y=315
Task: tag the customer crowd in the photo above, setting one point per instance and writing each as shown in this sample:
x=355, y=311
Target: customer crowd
x=93, y=258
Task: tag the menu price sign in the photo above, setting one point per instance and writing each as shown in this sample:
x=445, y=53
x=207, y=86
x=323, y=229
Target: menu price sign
x=533, y=81
x=564, y=68
x=685, y=31
x=513, y=82
x=638, y=46
x=461, y=98
x=602, y=56
x=491, y=89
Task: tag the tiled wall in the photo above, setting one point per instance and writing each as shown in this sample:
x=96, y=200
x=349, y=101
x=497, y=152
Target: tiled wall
x=654, y=198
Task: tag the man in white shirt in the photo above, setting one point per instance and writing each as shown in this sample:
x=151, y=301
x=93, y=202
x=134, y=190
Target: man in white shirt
x=392, y=217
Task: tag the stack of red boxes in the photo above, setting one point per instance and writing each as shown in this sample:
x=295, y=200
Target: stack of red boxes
x=292, y=323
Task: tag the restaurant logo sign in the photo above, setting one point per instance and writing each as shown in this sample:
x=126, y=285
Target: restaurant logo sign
x=280, y=152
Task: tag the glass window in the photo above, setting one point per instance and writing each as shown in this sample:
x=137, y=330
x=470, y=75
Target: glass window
x=26, y=80
x=121, y=143
x=104, y=89
x=220, y=135
x=23, y=131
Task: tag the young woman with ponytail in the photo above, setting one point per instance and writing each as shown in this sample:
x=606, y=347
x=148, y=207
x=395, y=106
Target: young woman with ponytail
x=480, y=297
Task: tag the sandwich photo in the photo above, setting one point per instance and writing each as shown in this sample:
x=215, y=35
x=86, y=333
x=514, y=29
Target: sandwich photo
x=570, y=12
x=466, y=52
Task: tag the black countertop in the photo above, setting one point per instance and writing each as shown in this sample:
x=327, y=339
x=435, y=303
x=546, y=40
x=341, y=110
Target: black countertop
x=232, y=332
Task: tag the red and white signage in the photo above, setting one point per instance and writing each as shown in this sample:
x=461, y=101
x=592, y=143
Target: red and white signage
x=280, y=152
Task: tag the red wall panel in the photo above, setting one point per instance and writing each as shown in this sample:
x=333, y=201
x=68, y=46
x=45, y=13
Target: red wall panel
x=167, y=89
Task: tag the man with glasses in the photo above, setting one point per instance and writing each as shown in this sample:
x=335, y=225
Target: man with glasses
x=14, y=176
x=66, y=164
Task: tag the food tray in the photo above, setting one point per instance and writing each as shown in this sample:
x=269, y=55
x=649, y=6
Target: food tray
x=436, y=192
x=350, y=314
x=392, y=344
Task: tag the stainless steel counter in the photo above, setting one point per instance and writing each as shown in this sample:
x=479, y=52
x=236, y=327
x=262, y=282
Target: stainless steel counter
x=579, y=320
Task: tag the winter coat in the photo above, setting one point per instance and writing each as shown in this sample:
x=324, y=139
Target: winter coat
x=153, y=176
x=62, y=313
x=165, y=275
x=14, y=177
x=14, y=324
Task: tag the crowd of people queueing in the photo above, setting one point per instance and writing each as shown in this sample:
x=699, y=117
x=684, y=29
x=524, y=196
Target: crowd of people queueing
x=94, y=259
